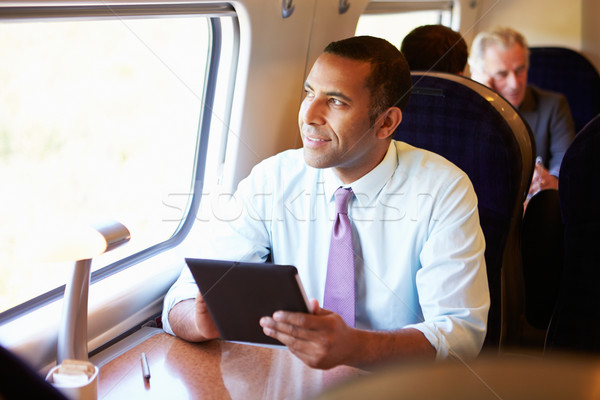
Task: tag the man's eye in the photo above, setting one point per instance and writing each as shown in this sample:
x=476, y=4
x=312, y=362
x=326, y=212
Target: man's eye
x=337, y=102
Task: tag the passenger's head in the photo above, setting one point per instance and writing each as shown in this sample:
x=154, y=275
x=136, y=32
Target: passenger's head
x=389, y=81
x=354, y=95
x=499, y=59
x=435, y=48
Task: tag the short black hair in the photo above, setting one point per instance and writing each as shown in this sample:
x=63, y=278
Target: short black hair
x=435, y=48
x=389, y=81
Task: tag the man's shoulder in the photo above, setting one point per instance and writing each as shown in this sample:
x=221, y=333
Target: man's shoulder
x=423, y=172
x=544, y=96
x=416, y=159
x=287, y=165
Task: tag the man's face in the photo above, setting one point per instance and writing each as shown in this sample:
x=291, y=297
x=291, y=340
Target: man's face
x=507, y=70
x=334, y=118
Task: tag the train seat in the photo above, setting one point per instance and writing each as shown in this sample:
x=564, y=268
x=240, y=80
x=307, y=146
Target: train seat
x=575, y=324
x=569, y=72
x=19, y=381
x=542, y=247
x=480, y=132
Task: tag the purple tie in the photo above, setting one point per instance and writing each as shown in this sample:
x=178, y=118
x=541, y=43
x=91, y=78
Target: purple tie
x=339, y=284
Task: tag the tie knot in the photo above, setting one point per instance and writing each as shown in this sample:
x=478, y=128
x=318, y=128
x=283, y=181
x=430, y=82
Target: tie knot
x=342, y=197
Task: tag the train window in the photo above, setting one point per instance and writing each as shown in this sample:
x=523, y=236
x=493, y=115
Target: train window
x=394, y=20
x=101, y=113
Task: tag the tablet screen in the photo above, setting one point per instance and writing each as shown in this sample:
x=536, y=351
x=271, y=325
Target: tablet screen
x=238, y=294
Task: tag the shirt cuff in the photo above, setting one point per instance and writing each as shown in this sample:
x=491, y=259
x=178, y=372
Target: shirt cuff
x=180, y=291
x=441, y=349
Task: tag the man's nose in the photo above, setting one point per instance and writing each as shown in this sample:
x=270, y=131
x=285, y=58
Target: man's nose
x=312, y=111
x=513, y=80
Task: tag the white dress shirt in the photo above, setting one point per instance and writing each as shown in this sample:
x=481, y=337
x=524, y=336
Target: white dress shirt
x=419, y=246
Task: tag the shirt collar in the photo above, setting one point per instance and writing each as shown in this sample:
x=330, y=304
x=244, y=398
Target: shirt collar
x=366, y=188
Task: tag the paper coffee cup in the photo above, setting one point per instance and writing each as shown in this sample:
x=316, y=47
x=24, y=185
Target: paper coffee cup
x=76, y=379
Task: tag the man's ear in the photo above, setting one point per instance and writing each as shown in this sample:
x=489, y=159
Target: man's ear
x=388, y=121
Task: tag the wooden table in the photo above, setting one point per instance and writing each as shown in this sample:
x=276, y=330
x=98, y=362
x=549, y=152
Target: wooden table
x=213, y=370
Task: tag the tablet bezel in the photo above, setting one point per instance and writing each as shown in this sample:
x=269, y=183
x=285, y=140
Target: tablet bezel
x=237, y=294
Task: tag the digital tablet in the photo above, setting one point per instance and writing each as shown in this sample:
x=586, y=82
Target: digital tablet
x=238, y=294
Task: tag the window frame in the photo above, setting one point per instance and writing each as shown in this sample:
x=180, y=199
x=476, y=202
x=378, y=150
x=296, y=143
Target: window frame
x=391, y=7
x=376, y=7
x=449, y=13
x=46, y=10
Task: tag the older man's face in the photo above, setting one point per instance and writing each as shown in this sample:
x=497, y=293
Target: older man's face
x=507, y=69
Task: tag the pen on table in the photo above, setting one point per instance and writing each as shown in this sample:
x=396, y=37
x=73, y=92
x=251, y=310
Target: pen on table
x=145, y=368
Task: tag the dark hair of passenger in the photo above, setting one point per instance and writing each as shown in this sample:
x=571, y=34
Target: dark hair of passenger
x=435, y=48
x=390, y=81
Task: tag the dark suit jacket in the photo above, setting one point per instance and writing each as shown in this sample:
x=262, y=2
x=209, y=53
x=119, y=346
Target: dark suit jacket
x=549, y=117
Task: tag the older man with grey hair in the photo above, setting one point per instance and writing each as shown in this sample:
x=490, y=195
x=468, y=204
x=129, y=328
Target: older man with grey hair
x=499, y=59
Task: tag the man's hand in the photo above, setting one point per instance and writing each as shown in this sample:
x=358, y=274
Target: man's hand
x=320, y=340
x=323, y=340
x=190, y=320
x=483, y=78
x=542, y=179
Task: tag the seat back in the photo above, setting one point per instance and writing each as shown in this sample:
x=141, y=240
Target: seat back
x=542, y=247
x=570, y=73
x=19, y=381
x=576, y=321
x=481, y=133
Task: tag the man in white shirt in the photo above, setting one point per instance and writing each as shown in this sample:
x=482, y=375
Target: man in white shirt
x=420, y=278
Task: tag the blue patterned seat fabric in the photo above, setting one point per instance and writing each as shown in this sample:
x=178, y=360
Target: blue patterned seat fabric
x=576, y=321
x=452, y=119
x=542, y=246
x=570, y=73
